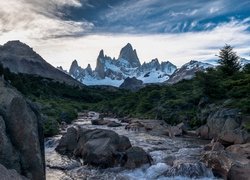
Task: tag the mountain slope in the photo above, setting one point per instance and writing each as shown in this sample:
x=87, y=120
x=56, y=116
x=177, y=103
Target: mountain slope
x=187, y=71
x=20, y=58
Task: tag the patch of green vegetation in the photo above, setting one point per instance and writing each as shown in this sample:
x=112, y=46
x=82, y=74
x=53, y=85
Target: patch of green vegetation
x=247, y=126
x=59, y=102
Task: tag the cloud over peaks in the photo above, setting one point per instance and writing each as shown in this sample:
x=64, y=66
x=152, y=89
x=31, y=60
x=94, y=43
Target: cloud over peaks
x=37, y=19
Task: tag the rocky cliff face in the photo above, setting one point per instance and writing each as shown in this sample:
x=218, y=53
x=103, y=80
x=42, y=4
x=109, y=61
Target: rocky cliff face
x=21, y=136
x=20, y=58
x=129, y=54
x=74, y=68
x=100, y=64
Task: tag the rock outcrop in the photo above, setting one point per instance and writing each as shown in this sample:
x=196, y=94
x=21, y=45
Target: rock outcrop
x=21, y=135
x=224, y=124
x=132, y=84
x=102, y=148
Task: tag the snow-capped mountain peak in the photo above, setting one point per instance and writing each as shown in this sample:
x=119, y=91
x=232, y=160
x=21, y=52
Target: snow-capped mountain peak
x=113, y=72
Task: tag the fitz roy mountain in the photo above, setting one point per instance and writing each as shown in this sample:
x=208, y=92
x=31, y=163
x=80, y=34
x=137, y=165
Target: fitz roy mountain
x=111, y=71
x=127, y=72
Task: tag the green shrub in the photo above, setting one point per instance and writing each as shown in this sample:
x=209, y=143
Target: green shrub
x=50, y=127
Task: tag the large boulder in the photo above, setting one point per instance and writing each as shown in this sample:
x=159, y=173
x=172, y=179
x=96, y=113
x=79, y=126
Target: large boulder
x=219, y=161
x=102, y=148
x=8, y=154
x=241, y=149
x=6, y=174
x=239, y=171
x=229, y=162
x=100, y=121
x=68, y=142
x=236, y=136
x=114, y=124
x=136, y=157
x=203, y=132
x=21, y=140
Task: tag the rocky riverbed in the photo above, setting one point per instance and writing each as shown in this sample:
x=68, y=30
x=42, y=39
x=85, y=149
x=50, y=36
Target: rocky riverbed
x=177, y=157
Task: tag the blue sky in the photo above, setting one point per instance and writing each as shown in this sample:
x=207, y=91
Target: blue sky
x=175, y=30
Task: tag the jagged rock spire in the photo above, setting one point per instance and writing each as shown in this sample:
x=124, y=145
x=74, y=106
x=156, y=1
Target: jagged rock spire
x=130, y=55
x=73, y=67
x=99, y=64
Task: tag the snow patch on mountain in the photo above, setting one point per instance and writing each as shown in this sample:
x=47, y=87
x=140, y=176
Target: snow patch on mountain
x=197, y=64
x=150, y=77
x=91, y=81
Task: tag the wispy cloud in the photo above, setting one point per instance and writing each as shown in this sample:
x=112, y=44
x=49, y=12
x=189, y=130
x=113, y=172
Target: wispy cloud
x=176, y=47
x=39, y=19
x=63, y=30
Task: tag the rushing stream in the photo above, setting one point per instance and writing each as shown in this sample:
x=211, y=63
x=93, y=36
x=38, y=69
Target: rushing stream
x=183, y=153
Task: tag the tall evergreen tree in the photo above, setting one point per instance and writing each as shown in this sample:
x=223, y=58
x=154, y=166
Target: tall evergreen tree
x=229, y=60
